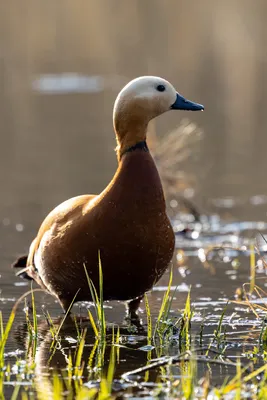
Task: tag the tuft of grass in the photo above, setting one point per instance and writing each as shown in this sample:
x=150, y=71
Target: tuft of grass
x=50, y=324
x=188, y=378
x=219, y=334
x=255, y=306
x=32, y=326
x=164, y=325
x=165, y=306
x=185, y=324
x=98, y=301
x=5, y=331
x=69, y=384
x=237, y=384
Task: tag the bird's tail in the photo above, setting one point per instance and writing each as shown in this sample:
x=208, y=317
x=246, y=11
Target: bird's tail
x=21, y=262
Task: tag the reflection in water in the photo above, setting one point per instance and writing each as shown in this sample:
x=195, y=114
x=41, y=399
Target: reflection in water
x=59, y=357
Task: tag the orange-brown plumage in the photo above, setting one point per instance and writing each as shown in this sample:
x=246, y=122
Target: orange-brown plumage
x=127, y=223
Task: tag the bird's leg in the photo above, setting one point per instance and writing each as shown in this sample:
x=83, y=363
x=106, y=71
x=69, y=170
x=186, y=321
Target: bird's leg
x=132, y=308
x=65, y=304
x=132, y=319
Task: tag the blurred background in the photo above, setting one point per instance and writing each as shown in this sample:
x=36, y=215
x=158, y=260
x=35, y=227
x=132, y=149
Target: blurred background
x=61, y=66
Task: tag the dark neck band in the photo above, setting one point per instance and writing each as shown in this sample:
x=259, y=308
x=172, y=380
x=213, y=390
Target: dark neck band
x=137, y=146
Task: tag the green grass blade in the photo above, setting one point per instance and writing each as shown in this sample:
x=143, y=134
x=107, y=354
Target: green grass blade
x=15, y=392
x=111, y=369
x=5, y=337
x=164, y=309
x=165, y=298
x=1, y=325
x=101, y=295
x=252, y=269
x=91, y=318
x=65, y=316
x=186, y=323
x=35, y=324
x=79, y=354
x=149, y=321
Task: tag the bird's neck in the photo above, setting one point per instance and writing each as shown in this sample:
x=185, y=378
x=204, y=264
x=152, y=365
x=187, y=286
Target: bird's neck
x=136, y=185
x=139, y=179
x=129, y=138
x=138, y=146
x=130, y=129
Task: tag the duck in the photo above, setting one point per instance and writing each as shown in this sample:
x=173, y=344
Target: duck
x=125, y=227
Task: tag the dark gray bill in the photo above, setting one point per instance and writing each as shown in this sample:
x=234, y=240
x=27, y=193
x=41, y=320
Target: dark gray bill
x=183, y=104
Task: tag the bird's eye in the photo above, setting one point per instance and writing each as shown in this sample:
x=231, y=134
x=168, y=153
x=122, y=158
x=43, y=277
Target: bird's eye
x=161, y=88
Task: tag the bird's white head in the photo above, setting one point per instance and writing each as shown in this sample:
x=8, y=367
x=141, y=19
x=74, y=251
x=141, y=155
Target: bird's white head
x=141, y=100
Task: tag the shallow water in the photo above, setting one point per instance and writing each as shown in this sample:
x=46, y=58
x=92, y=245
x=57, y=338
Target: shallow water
x=61, y=67
x=213, y=281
